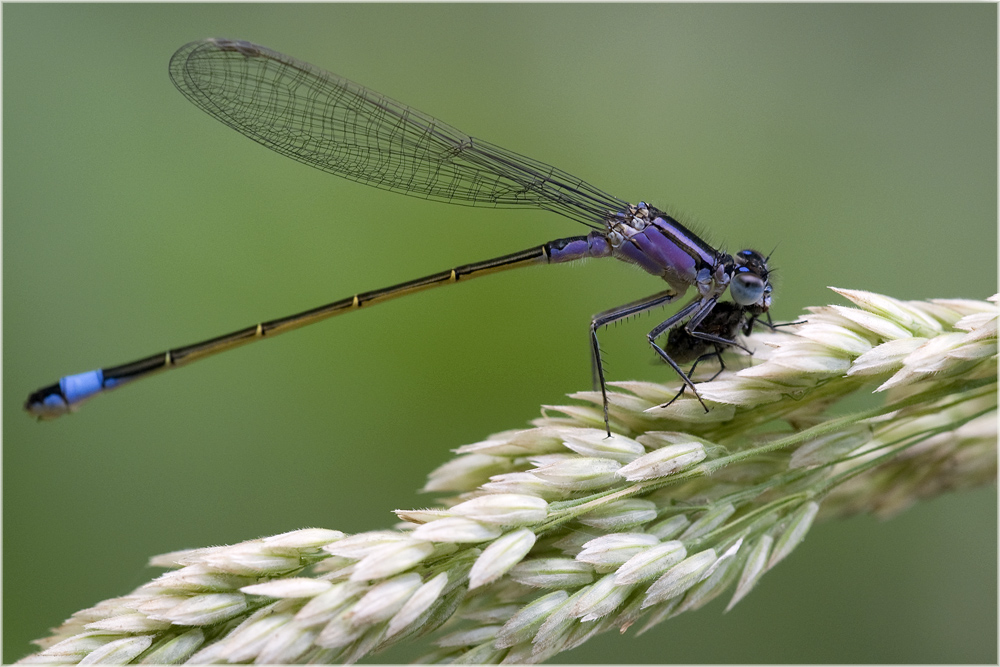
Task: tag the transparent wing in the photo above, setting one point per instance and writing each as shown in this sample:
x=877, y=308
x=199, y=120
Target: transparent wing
x=340, y=127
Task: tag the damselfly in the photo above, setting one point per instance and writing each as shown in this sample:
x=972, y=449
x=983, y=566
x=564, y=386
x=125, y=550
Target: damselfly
x=340, y=127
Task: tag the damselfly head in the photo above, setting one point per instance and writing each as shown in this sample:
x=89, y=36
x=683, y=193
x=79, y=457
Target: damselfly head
x=749, y=284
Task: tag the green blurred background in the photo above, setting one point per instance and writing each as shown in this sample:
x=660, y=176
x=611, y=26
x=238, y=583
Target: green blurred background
x=858, y=139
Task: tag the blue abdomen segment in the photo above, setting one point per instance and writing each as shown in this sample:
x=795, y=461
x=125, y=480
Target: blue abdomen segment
x=65, y=395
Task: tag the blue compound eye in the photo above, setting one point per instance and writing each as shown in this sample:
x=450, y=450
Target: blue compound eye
x=746, y=288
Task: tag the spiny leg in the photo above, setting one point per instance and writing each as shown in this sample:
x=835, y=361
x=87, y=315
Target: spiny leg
x=613, y=315
x=701, y=309
x=708, y=355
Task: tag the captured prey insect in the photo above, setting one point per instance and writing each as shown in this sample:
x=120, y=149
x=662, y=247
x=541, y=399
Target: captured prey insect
x=717, y=332
x=342, y=128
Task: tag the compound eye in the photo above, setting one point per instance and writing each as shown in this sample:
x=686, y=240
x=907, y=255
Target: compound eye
x=747, y=289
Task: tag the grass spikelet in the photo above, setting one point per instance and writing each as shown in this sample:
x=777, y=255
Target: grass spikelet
x=556, y=533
